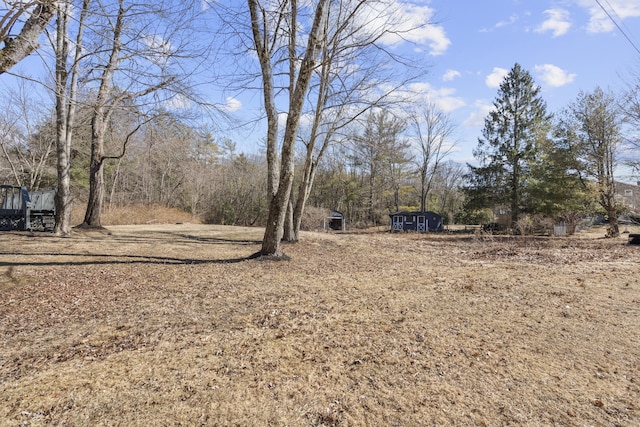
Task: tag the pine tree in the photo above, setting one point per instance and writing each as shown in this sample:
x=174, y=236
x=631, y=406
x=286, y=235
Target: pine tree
x=557, y=188
x=512, y=134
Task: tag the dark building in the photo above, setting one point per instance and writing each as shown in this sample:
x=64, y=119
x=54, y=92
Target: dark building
x=336, y=221
x=418, y=221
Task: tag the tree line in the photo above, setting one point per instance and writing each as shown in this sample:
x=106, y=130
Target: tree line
x=563, y=167
x=124, y=124
x=169, y=162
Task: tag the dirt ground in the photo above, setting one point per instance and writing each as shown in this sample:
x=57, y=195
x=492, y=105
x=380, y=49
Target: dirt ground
x=172, y=325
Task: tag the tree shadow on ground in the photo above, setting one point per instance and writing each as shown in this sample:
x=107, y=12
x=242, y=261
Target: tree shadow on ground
x=110, y=259
x=126, y=250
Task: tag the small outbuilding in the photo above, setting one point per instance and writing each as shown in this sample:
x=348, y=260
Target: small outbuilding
x=22, y=210
x=419, y=221
x=335, y=221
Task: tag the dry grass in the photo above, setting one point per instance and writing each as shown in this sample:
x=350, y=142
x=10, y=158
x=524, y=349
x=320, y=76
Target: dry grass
x=171, y=325
x=135, y=214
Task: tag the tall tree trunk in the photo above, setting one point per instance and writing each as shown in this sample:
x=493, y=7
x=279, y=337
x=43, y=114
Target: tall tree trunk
x=101, y=113
x=274, y=229
x=613, y=229
x=264, y=52
x=92, y=216
x=423, y=189
x=312, y=159
x=304, y=190
x=371, y=201
x=289, y=234
x=278, y=204
x=303, y=194
x=66, y=112
x=608, y=202
x=63, y=198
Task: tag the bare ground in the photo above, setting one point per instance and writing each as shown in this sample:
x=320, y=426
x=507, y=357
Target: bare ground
x=171, y=325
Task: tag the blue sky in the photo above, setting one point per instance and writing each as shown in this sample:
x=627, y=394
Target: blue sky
x=567, y=46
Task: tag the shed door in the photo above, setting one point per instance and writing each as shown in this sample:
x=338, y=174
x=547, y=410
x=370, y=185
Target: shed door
x=397, y=223
x=422, y=221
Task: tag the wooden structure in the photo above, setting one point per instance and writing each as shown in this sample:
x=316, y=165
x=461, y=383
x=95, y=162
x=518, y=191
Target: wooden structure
x=418, y=221
x=21, y=210
x=335, y=221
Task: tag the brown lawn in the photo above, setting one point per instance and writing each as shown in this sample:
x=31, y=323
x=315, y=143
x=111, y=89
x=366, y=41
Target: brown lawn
x=171, y=325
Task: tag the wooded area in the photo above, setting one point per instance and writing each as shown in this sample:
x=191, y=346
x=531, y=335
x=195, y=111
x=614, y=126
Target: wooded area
x=128, y=124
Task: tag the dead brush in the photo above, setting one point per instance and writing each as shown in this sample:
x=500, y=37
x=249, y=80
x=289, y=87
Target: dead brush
x=136, y=214
x=482, y=235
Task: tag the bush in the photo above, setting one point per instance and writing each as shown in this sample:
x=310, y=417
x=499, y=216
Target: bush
x=313, y=218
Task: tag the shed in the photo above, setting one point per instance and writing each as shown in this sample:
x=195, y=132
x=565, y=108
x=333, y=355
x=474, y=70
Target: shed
x=14, y=208
x=21, y=210
x=335, y=221
x=420, y=221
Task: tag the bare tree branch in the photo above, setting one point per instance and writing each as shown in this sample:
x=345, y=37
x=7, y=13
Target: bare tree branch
x=18, y=47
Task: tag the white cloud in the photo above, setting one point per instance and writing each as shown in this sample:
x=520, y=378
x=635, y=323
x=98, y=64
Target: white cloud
x=232, y=105
x=159, y=50
x=439, y=42
x=282, y=119
x=450, y=75
x=481, y=111
x=557, y=22
x=177, y=102
x=512, y=20
x=494, y=79
x=444, y=98
x=409, y=22
x=450, y=103
x=306, y=120
x=600, y=22
x=554, y=76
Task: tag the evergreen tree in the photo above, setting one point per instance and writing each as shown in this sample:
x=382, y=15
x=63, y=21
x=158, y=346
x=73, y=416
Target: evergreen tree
x=512, y=135
x=557, y=187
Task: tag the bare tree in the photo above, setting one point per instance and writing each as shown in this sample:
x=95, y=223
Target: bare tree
x=135, y=67
x=104, y=106
x=446, y=188
x=630, y=107
x=18, y=46
x=381, y=153
x=66, y=91
x=593, y=125
x=341, y=93
x=26, y=142
x=433, y=132
x=274, y=30
x=295, y=43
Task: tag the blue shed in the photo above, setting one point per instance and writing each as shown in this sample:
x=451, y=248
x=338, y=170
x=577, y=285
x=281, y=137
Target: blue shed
x=419, y=221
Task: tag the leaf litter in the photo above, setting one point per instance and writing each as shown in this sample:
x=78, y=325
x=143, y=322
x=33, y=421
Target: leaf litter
x=167, y=325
